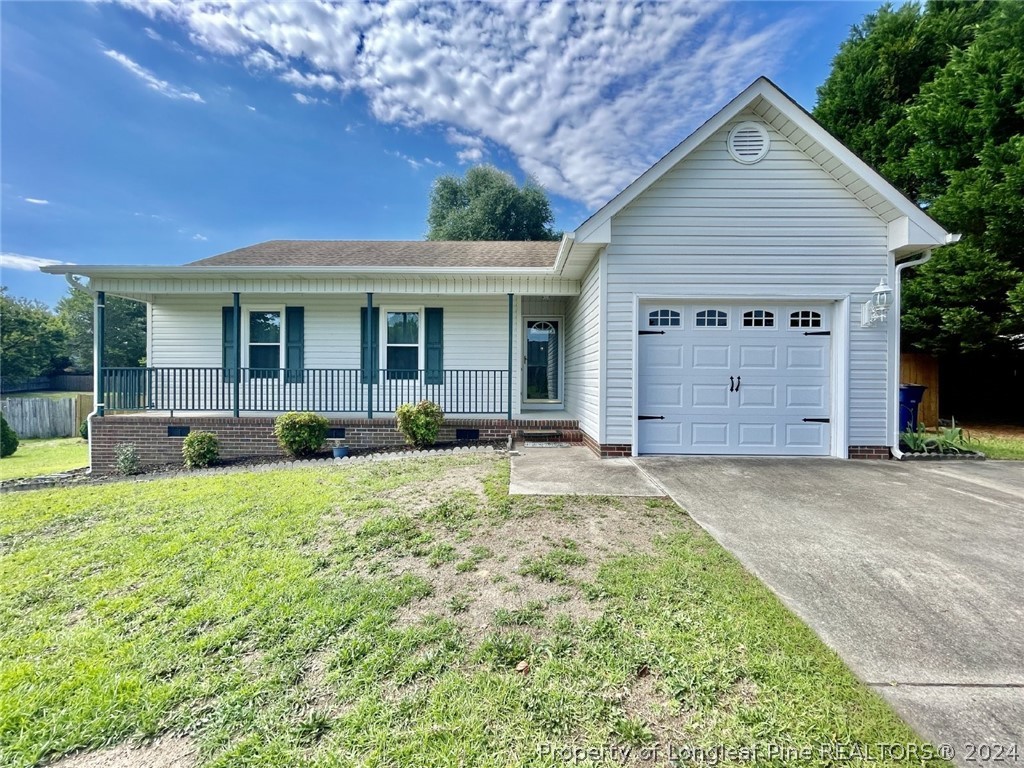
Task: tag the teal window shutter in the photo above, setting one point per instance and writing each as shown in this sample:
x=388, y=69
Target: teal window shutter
x=434, y=338
x=295, y=332
x=369, y=334
x=227, y=325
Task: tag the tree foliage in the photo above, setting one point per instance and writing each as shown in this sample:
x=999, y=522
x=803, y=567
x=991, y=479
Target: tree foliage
x=488, y=205
x=934, y=98
x=31, y=338
x=124, y=330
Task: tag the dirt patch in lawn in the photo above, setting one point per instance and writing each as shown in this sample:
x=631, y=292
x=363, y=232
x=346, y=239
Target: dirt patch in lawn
x=526, y=572
x=165, y=752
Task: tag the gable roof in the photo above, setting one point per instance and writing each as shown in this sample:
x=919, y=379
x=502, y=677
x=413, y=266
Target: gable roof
x=431, y=254
x=911, y=229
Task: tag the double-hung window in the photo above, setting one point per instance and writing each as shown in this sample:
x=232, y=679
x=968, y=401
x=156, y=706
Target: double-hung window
x=264, y=344
x=402, y=350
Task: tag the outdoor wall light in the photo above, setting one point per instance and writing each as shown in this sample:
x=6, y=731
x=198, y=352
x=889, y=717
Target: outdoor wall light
x=876, y=310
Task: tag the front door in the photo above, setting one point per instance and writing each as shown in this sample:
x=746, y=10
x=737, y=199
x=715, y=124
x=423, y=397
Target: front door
x=543, y=368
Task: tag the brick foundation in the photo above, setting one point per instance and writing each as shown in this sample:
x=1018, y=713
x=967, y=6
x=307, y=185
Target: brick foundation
x=254, y=436
x=607, y=450
x=869, y=452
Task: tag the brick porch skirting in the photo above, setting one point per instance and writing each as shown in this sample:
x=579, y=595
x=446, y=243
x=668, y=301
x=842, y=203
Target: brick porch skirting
x=607, y=450
x=870, y=452
x=254, y=435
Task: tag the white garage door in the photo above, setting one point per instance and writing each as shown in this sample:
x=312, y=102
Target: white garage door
x=743, y=379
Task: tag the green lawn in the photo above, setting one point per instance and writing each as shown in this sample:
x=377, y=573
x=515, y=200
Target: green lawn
x=41, y=457
x=405, y=613
x=999, y=446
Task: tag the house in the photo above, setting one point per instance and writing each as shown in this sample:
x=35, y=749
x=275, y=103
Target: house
x=734, y=299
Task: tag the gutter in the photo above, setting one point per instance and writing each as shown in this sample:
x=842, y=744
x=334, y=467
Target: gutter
x=563, y=252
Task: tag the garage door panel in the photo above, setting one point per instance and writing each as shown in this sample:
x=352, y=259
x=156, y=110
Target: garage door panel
x=709, y=396
x=806, y=396
x=712, y=356
x=708, y=434
x=757, y=396
x=761, y=357
x=756, y=435
x=782, y=369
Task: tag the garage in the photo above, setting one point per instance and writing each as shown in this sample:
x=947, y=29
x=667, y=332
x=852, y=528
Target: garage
x=734, y=378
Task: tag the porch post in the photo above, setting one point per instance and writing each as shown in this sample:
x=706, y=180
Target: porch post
x=371, y=364
x=98, y=323
x=237, y=362
x=510, y=332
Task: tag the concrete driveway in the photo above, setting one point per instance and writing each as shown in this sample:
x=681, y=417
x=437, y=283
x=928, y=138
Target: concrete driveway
x=913, y=572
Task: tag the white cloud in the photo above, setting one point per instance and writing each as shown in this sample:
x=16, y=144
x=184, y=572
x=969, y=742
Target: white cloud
x=152, y=34
x=36, y=200
x=199, y=237
x=250, y=107
x=585, y=95
x=152, y=81
x=25, y=263
x=413, y=162
x=304, y=99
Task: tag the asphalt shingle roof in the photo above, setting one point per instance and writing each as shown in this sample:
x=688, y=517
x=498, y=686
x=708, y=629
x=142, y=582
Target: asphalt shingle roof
x=388, y=253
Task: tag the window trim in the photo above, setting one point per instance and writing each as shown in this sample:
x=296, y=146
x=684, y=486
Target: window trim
x=769, y=318
x=246, y=312
x=655, y=315
x=815, y=319
x=420, y=345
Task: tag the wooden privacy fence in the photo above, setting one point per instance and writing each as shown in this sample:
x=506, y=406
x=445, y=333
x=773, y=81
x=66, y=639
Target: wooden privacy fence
x=45, y=416
x=918, y=368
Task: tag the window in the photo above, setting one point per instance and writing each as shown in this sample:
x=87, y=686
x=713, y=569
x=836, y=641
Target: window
x=758, y=318
x=663, y=317
x=402, y=353
x=712, y=318
x=805, y=318
x=264, y=345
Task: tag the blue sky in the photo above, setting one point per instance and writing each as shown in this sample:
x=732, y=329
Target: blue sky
x=159, y=133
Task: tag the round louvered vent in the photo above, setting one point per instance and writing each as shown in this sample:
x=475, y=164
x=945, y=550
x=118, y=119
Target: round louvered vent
x=748, y=142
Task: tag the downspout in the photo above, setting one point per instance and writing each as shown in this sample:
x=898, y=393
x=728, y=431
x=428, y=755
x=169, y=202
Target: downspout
x=897, y=309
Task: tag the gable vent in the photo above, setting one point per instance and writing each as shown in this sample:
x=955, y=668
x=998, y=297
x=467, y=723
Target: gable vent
x=748, y=142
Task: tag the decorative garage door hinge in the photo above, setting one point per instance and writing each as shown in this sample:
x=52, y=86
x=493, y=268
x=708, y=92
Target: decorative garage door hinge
x=650, y=418
x=652, y=333
x=817, y=333
x=819, y=421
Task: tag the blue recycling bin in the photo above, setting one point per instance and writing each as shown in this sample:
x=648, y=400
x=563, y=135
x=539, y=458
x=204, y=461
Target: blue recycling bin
x=911, y=396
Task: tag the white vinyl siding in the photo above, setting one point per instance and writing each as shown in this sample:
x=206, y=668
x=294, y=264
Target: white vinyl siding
x=779, y=229
x=186, y=330
x=582, y=352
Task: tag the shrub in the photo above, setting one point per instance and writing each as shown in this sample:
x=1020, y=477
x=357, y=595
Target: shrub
x=8, y=438
x=200, y=449
x=83, y=429
x=420, y=423
x=126, y=458
x=300, y=434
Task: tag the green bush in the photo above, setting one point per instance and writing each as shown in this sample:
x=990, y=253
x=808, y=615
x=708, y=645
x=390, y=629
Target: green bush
x=300, y=434
x=83, y=429
x=8, y=438
x=200, y=449
x=420, y=423
x=126, y=459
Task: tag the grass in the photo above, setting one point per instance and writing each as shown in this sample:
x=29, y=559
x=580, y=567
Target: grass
x=47, y=394
x=998, y=446
x=42, y=457
x=267, y=616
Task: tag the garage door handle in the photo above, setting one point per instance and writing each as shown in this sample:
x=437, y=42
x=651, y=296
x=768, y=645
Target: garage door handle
x=737, y=383
x=732, y=384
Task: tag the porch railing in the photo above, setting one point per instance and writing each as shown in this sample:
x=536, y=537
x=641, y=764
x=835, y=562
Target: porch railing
x=324, y=390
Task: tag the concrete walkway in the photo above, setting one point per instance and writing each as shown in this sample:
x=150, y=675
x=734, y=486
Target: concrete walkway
x=913, y=572
x=562, y=470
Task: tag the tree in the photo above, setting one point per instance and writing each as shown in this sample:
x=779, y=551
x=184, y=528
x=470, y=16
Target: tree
x=487, y=205
x=31, y=338
x=934, y=99
x=125, y=330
